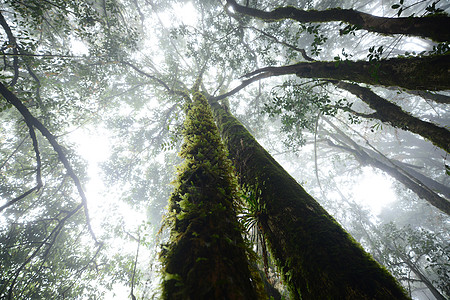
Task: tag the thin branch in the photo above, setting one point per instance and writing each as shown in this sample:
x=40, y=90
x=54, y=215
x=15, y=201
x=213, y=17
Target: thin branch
x=38, y=82
x=243, y=85
x=152, y=77
x=38, y=157
x=100, y=246
x=133, y=297
x=38, y=169
x=13, y=153
x=11, y=202
x=44, y=55
x=302, y=51
x=315, y=154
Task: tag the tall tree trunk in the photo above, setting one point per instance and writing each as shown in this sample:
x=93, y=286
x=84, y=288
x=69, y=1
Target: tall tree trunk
x=388, y=112
x=206, y=255
x=367, y=157
x=436, y=27
x=318, y=259
x=414, y=73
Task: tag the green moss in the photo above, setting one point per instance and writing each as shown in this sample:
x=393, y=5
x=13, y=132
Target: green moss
x=206, y=250
x=317, y=258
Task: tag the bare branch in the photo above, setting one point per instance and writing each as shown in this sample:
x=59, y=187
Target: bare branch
x=243, y=85
x=152, y=77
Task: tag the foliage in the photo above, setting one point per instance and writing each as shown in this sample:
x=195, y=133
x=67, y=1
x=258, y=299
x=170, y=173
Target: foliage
x=47, y=250
x=298, y=106
x=125, y=65
x=418, y=249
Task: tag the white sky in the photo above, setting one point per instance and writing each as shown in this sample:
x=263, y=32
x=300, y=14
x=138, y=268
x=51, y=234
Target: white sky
x=373, y=190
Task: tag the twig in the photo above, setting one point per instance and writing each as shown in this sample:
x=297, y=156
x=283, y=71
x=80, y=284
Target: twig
x=302, y=51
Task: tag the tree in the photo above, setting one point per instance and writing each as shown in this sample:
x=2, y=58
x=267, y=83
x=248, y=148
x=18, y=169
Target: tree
x=206, y=256
x=140, y=92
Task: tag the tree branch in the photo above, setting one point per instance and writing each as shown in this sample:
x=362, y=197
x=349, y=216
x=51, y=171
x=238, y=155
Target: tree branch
x=242, y=85
x=301, y=50
x=392, y=114
x=415, y=73
x=433, y=27
x=154, y=78
x=11, y=98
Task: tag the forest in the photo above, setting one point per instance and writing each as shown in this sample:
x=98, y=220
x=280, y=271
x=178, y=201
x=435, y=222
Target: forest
x=224, y=149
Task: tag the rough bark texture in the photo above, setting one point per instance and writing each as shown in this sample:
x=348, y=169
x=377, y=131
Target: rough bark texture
x=206, y=255
x=414, y=73
x=434, y=27
x=317, y=258
x=392, y=114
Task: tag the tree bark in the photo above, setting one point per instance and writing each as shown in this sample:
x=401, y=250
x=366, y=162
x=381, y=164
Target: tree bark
x=206, y=255
x=317, y=257
x=414, y=73
x=392, y=114
x=433, y=27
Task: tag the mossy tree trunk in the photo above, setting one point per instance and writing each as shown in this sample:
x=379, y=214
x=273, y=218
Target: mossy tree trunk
x=206, y=256
x=433, y=27
x=317, y=257
x=392, y=114
x=438, y=98
x=414, y=73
